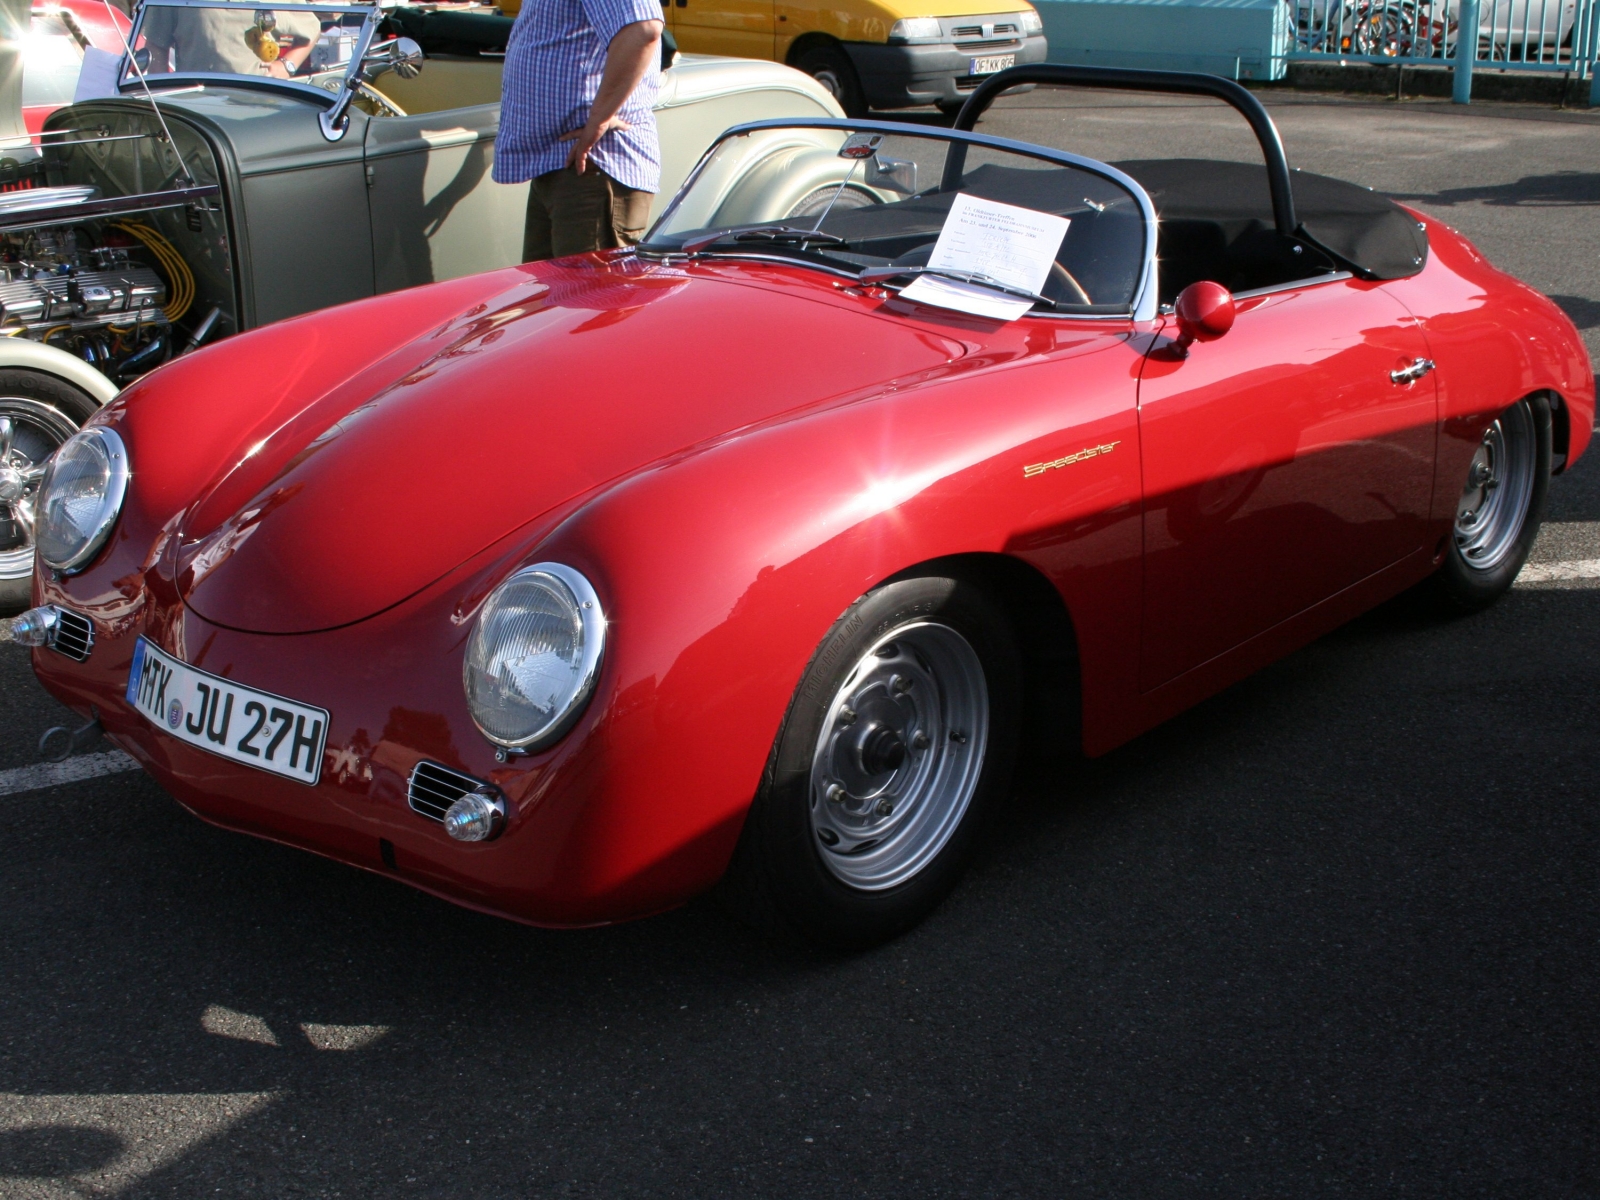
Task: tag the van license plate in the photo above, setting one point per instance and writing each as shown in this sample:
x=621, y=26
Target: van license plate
x=995, y=62
x=236, y=722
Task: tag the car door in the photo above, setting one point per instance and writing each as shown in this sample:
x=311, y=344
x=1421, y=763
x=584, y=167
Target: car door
x=436, y=214
x=737, y=28
x=1282, y=463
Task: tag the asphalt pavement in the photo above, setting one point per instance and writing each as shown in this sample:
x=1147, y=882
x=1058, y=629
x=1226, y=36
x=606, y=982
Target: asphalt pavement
x=1333, y=932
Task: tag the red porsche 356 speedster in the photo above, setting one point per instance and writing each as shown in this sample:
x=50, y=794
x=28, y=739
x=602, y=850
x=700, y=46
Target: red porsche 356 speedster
x=568, y=590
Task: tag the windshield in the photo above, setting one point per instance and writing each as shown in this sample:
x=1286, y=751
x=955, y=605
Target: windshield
x=206, y=37
x=863, y=200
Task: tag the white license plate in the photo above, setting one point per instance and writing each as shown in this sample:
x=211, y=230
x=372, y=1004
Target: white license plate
x=226, y=718
x=995, y=62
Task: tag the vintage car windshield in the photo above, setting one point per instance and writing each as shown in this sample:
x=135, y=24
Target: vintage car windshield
x=212, y=38
x=766, y=189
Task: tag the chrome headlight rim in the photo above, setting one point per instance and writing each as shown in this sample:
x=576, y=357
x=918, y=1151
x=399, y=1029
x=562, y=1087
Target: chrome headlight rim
x=117, y=476
x=594, y=622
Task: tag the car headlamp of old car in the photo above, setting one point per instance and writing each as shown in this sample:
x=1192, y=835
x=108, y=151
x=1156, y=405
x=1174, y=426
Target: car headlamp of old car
x=1032, y=25
x=80, y=497
x=534, y=656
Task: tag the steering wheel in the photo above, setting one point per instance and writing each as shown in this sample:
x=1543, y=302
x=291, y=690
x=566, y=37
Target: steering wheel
x=385, y=106
x=1063, y=277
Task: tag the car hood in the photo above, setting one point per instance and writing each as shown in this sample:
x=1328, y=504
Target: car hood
x=569, y=378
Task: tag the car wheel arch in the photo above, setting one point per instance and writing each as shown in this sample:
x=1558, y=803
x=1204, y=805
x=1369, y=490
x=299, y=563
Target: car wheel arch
x=1560, y=430
x=807, y=42
x=1047, y=636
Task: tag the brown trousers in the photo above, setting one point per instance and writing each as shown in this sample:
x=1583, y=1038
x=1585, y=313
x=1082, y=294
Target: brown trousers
x=570, y=213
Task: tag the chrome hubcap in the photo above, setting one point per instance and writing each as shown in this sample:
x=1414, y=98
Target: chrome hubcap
x=899, y=756
x=1494, y=504
x=30, y=432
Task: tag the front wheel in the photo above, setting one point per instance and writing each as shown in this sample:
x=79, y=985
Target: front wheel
x=37, y=413
x=1501, y=506
x=832, y=68
x=898, y=744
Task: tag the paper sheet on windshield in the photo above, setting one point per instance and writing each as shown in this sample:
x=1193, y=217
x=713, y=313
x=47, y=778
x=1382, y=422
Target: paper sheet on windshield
x=97, y=78
x=1013, y=245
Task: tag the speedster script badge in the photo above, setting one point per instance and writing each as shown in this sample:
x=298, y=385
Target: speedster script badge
x=239, y=723
x=1032, y=469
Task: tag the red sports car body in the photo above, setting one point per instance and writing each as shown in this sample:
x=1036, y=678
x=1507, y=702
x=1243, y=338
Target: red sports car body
x=734, y=450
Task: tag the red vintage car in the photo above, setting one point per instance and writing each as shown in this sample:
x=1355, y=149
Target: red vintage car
x=567, y=591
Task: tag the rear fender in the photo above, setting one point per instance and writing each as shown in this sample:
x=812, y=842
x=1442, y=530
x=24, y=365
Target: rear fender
x=1495, y=340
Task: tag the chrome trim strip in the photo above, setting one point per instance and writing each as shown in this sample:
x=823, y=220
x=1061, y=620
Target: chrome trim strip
x=1295, y=285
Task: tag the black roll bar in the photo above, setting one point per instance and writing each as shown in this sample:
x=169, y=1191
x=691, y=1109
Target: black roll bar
x=1130, y=79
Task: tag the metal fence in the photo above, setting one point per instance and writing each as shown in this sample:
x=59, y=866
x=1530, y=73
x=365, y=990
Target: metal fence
x=1518, y=35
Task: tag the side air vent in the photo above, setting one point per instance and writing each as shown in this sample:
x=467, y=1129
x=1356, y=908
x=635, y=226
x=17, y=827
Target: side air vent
x=72, y=635
x=433, y=789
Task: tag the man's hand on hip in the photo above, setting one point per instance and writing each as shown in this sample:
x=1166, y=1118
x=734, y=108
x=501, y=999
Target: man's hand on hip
x=629, y=57
x=583, y=140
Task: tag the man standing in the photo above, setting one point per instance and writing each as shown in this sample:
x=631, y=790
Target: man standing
x=575, y=118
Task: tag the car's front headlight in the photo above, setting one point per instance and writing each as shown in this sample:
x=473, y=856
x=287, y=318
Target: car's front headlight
x=915, y=27
x=534, y=656
x=80, y=498
x=1031, y=23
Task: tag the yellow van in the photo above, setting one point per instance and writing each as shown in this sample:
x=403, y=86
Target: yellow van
x=869, y=53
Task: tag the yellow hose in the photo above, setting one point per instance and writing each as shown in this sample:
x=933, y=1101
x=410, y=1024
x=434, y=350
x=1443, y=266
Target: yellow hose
x=179, y=277
x=51, y=332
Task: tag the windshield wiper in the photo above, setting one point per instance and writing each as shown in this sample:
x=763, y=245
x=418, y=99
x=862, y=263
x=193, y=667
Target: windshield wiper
x=977, y=278
x=774, y=234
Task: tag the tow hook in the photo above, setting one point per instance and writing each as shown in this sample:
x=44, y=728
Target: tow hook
x=69, y=741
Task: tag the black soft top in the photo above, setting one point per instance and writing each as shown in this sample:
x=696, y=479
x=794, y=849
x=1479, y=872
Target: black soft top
x=1366, y=231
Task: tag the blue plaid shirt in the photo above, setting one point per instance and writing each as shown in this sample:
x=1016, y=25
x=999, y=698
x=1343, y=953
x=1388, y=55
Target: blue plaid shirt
x=554, y=61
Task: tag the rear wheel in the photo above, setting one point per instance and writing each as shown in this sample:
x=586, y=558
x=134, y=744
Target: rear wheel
x=832, y=68
x=1501, y=506
x=831, y=198
x=37, y=413
x=898, y=745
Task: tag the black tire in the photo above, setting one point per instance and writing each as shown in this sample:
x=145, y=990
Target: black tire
x=832, y=68
x=44, y=411
x=1463, y=586
x=778, y=880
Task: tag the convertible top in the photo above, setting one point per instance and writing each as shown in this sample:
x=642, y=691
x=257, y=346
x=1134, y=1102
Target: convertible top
x=1367, y=231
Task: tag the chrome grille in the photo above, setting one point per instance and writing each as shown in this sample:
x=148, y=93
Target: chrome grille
x=977, y=30
x=432, y=789
x=988, y=45
x=73, y=635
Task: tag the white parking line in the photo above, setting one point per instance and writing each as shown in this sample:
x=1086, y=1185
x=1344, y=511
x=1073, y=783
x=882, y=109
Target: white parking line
x=1560, y=574
x=84, y=766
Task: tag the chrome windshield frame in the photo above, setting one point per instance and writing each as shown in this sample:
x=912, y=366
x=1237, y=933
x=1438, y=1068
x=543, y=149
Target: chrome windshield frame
x=333, y=118
x=1146, y=292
